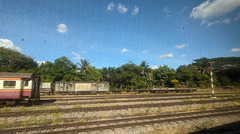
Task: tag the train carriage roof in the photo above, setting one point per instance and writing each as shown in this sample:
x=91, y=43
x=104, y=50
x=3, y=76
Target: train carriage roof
x=82, y=82
x=16, y=75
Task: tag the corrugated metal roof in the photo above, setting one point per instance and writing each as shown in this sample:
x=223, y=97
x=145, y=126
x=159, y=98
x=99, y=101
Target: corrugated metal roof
x=15, y=75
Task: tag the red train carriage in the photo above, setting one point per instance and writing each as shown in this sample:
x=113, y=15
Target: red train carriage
x=18, y=86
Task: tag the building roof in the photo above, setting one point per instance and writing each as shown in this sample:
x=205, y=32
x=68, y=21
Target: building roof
x=15, y=75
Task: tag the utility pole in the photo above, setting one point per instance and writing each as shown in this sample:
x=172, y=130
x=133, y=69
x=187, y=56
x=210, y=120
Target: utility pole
x=210, y=67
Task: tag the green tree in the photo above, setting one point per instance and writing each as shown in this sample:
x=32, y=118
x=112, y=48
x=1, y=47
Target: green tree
x=47, y=72
x=202, y=65
x=13, y=61
x=84, y=66
x=226, y=71
x=62, y=67
x=93, y=74
x=147, y=74
x=163, y=76
x=189, y=76
x=113, y=75
x=127, y=76
x=175, y=82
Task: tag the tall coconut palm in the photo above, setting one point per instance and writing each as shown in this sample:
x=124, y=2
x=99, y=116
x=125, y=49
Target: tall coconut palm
x=84, y=66
x=147, y=72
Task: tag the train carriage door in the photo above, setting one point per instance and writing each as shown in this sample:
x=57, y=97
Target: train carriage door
x=26, y=87
x=21, y=88
x=36, y=89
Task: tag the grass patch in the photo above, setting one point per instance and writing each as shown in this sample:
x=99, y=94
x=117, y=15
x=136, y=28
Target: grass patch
x=5, y=124
x=5, y=109
x=106, y=99
x=49, y=108
x=23, y=109
x=77, y=106
x=204, y=125
x=80, y=121
x=30, y=121
x=187, y=100
x=203, y=108
x=56, y=118
x=159, y=110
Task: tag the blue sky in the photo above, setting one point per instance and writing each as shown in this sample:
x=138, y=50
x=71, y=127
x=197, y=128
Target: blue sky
x=113, y=32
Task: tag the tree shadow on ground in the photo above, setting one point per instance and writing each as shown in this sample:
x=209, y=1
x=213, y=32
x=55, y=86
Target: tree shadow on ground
x=231, y=128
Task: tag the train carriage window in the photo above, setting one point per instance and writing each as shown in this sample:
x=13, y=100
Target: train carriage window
x=9, y=83
x=26, y=83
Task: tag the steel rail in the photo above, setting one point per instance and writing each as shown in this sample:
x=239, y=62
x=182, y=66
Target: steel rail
x=139, y=123
x=121, y=101
x=106, y=108
x=52, y=127
x=127, y=96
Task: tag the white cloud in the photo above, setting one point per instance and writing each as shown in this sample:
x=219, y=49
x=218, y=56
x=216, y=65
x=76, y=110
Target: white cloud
x=8, y=44
x=41, y=62
x=226, y=21
x=235, y=50
x=154, y=67
x=77, y=56
x=181, y=46
x=167, y=12
x=237, y=17
x=122, y=9
x=124, y=50
x=135, y=11
x=62, y=28
x=184, y=9
x=214, y=8
x=211, y=9
x=92, y=46
x=110, y=6
x=144, y=51
x=170, y=55
x=183, y=56
x=83, y=51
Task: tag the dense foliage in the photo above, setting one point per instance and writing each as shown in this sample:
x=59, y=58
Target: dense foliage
x=13, y=61
x=129, y=75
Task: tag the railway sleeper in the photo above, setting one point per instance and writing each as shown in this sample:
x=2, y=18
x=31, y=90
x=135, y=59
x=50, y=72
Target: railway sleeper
x=142, y=123
x=137, y=120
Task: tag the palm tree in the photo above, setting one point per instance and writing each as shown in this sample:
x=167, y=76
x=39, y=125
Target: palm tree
x=84, y=66
x=145, y=67
x=147, y=72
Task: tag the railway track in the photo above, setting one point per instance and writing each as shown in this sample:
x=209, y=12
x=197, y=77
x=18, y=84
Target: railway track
x=51, y=102
x=119, y=101
x=82, y=97
x=124, y=97
x=88, y=109
x=125, y=122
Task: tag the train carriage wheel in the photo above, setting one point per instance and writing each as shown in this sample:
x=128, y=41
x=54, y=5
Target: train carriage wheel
x=2, y=103
x=17, y=102
x=10, y=102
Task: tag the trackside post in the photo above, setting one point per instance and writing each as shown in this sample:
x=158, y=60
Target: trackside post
x=210, y=67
